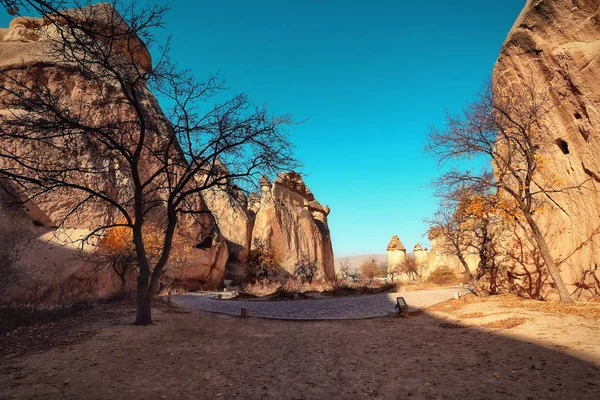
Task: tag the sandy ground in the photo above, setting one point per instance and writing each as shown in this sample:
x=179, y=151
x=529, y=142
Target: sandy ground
x=442, y=354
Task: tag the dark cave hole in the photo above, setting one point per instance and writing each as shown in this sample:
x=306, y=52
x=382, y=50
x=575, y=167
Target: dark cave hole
x=206, y=243
x=564, y=146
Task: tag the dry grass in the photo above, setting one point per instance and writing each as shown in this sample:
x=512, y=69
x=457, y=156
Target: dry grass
x=472, y=315
x=589, y=310
x=507, y=323
x=451, y=306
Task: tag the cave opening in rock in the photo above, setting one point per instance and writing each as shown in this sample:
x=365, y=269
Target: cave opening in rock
x=205, y=244
x=577, y=115
x=563, y=146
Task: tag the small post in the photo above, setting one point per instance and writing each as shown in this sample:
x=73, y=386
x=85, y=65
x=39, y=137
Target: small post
x=244, y=313
x=457, y=295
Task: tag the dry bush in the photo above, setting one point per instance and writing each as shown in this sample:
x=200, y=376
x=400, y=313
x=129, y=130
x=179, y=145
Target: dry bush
x=306, y=269
x=258, y=288
x=370, y=270
x=10, y=254
x=410, y=268
x=46, y=299
x=262, y=261
x=442, y=275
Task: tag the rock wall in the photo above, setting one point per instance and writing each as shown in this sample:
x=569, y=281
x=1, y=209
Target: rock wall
x=557, y=42
x=294, y=223
x=287, y=214
x=25, y=48
x=441, y=255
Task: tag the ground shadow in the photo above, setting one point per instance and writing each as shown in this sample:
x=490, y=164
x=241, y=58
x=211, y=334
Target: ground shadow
x=193, y=354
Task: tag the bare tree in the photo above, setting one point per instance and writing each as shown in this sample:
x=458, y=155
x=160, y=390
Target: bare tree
x=505, y=127
x=410, y=268
x=344, y=268
x=466, y=222
x=306, y=269
x=369, y=269
x=389, y=271
x=101, y=139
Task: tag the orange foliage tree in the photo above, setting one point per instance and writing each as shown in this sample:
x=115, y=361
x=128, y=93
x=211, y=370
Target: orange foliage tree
x=504, y=127
x=117, y=251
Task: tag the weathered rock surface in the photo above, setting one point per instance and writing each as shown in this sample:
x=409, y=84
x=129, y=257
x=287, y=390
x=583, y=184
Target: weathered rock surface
x=26, y=46
x=396, y=252
x=294, y=223
x=442, y=254
x=287, y=214
x=558, y=43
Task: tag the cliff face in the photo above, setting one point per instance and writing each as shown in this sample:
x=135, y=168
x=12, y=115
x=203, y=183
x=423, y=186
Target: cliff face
x=558, y=43
x=26, y=52
x=294, y=223
x=287, y=214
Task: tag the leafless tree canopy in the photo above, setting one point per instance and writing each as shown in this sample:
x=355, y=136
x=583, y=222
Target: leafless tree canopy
x=101, y=139
x=505, y=128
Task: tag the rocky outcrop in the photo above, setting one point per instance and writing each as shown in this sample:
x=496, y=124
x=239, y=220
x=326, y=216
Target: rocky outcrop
x=26, y=48
x=442, y=254
x=421, y=259
x=557, y=42
x=290, y=219
x=396, y=252
x=286, y=214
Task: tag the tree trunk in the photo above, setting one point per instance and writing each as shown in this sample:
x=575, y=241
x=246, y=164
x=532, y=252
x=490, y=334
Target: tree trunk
x=563, y=292
x=123, y=284
x=472, y=278
x=144, y=301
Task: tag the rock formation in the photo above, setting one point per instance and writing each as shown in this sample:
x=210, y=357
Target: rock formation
x=557, y=42
x=442, y=254
x=421, y=259
x=286, y=214
x=396, y=252
x=26, y=46
x=294, y=223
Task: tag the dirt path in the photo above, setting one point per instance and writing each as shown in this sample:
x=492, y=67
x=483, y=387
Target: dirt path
x=198, y=355
x=353, y=307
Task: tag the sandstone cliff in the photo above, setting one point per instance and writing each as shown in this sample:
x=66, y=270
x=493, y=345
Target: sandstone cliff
x=557, y=42
x=294, y=223
x=26, y=51
x=287, y=214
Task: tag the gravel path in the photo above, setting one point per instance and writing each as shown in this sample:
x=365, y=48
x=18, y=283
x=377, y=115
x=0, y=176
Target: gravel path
x=369, y=306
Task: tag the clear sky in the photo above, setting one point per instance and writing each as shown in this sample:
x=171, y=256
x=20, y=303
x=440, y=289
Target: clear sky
x=369, y=78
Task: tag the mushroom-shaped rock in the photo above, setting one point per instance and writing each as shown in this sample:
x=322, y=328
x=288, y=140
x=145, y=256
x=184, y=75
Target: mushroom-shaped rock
x=418, y=247
x=264, y=181
x=395, y=244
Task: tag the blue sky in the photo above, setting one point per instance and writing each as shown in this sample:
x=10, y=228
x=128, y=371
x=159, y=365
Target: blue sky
x=369, y=78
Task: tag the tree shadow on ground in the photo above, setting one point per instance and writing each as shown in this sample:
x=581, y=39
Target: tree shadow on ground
x=193, y=354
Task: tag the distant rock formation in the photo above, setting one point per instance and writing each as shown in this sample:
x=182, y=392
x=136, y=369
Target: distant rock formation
x=421, y=258
x=396, y=252
x=294, y=223
x=558, y=42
